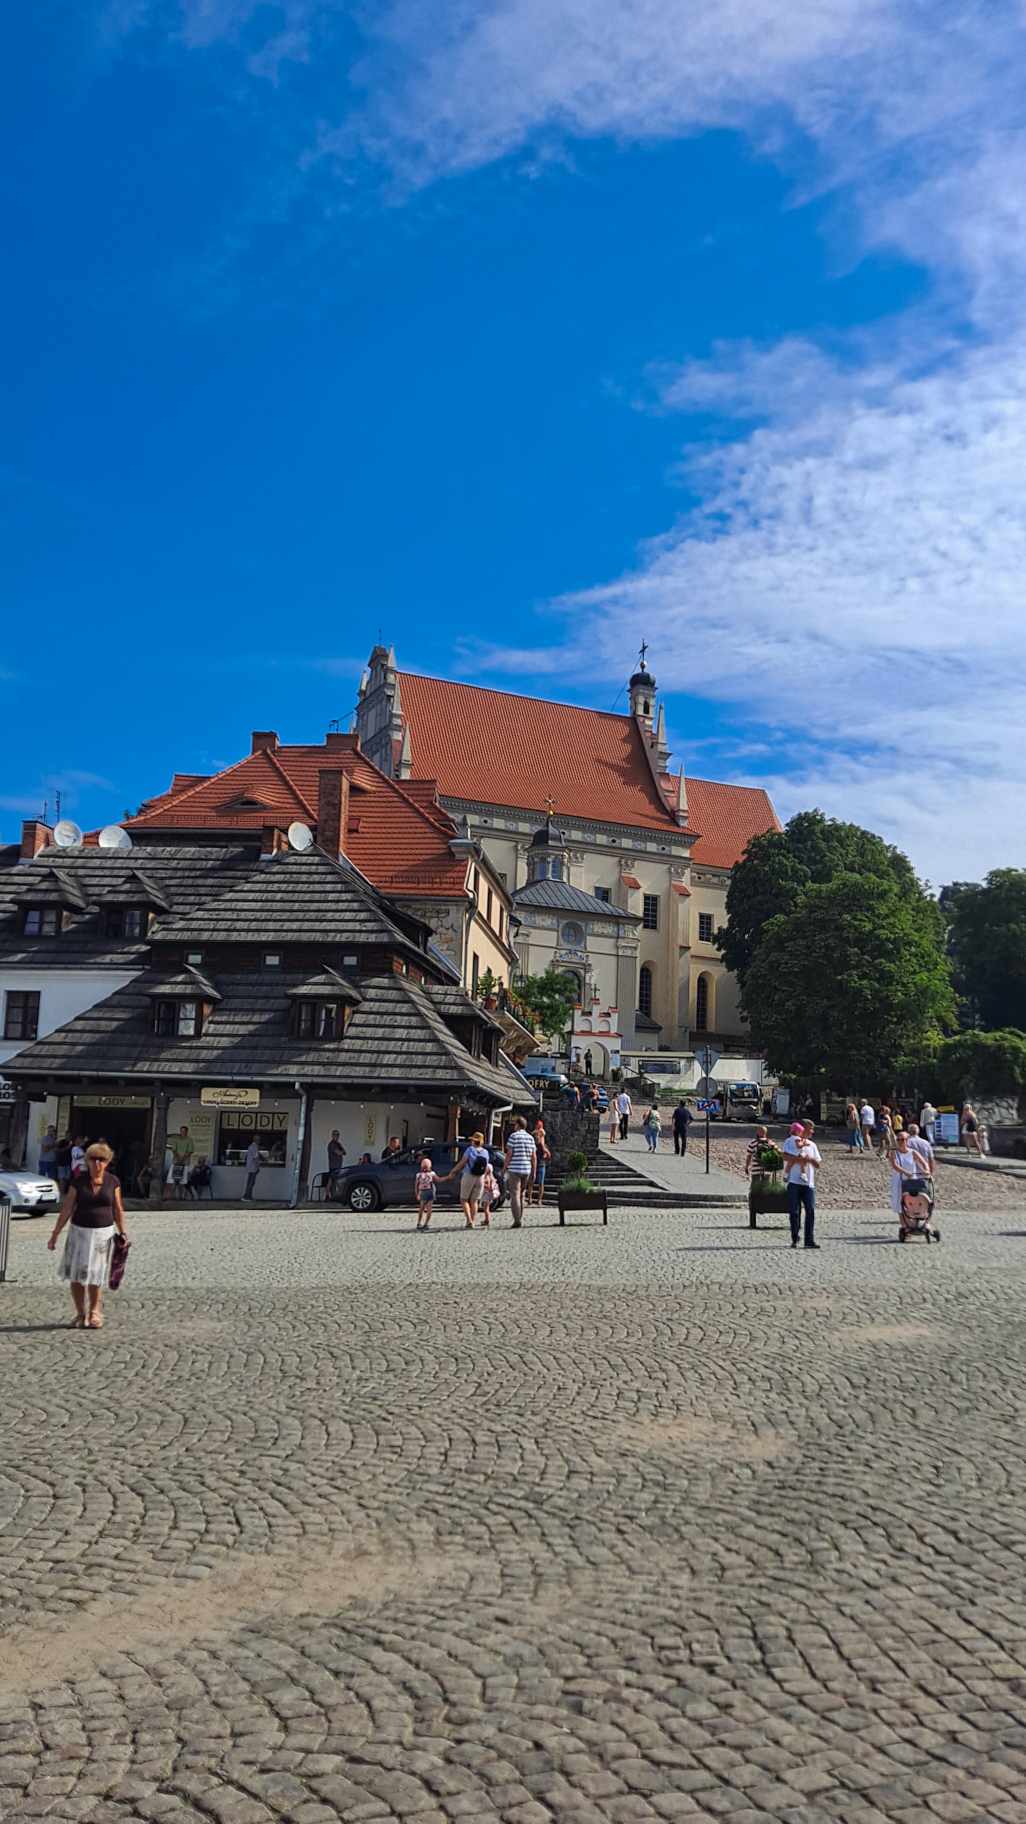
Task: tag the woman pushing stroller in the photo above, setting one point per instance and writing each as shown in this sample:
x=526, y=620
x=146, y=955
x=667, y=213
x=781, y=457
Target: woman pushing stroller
x=911, y=1202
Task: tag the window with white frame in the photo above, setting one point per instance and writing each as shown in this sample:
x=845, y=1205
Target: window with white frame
x=650, y=912
x=705, y=927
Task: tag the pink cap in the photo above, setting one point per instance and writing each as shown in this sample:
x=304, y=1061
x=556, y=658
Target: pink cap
x=797, y=1128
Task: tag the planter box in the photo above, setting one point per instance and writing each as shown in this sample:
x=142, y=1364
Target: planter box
x=582, y=1200
x=762, y=1201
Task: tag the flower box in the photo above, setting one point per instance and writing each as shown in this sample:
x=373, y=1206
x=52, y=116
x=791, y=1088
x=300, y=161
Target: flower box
x=766, y=1197
x=582, y=1200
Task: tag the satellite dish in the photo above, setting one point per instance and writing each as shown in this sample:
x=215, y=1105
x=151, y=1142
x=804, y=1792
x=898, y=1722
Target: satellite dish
x=300, y=837
x=114, y=837
x=67, y=835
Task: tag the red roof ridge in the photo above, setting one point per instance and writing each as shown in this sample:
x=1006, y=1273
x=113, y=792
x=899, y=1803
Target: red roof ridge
x=496, y=690
x=293, y=787
x=198, y=787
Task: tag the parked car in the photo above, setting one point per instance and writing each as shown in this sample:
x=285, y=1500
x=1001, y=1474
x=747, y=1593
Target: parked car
x=387, y=1182
x=28, y=1194
x=603, y=1098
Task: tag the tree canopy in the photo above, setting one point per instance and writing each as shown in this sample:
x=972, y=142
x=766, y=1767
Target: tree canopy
x=852, y=983
x=987, y=941
x=979, y=1064
x=779, y=867
x=551, y=998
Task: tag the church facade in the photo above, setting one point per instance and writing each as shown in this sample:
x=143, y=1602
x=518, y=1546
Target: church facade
x=617, y=865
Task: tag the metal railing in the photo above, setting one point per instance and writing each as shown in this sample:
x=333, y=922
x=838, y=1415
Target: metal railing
x=5, y=1236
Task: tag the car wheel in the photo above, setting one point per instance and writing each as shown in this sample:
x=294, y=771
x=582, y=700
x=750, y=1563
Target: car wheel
x=363, y=1198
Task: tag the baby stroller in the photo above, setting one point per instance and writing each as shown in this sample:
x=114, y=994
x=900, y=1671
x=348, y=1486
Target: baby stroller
x=916, y=1216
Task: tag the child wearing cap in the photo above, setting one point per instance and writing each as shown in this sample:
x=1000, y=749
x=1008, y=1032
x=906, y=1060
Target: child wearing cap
x=425, y=1183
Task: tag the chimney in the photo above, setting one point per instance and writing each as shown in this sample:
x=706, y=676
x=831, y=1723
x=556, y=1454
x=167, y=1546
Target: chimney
x=337, y=743
x=332, y=810
x=271, y=840
x=263, y=740
x=34, y=836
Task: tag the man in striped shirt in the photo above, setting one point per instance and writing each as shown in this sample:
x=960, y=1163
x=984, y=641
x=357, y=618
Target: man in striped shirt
x=521, y=1157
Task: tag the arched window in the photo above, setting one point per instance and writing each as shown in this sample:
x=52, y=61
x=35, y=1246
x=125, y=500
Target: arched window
x=702, y=1004
x=645, y=990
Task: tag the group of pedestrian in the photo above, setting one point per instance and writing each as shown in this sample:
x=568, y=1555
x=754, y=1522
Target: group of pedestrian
x=866, y=1125
x=526, y=1157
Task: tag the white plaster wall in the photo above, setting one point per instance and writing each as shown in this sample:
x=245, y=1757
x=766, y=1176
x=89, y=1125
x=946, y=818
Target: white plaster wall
x=366, y=1127
x=62, y=994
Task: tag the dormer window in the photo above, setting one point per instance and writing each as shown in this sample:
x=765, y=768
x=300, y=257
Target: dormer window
x=42, y=921
x=315, y=1019
x=178, y=1019
x=131, y=922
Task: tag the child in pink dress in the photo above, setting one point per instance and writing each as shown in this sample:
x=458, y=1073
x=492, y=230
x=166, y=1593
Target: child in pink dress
x=425, y=1187
x=489, y=1192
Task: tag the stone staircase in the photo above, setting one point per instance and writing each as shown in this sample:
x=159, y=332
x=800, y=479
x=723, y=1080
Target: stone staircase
x=628, y=1187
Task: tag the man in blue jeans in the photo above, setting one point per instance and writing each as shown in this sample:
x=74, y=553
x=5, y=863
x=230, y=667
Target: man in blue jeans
x=801, y=1157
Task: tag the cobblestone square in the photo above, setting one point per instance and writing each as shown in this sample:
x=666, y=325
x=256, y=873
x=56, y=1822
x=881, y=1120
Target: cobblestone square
x=662, y=1521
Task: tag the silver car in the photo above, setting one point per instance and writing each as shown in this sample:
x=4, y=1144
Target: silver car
x=28, y=1193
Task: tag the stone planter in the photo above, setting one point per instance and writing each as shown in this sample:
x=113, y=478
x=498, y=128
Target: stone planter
x=765, y=1199
x=582, y=1200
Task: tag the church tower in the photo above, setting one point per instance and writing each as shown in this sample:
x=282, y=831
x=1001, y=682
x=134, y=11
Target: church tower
x=651, y=719
x=379, y=723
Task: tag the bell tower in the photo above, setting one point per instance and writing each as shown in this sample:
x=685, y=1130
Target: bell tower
x=643, y=692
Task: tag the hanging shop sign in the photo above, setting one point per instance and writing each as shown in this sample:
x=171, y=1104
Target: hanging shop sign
x=230, y=1098
x=6, y=1090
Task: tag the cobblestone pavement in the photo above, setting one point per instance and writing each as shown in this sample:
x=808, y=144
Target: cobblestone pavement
x=655, y=1522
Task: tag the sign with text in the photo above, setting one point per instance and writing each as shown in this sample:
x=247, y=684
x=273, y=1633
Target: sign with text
x=946, y=1127
x=6, y=1090
x=230, y=1098
x=271, y=1122
x=84, y=1102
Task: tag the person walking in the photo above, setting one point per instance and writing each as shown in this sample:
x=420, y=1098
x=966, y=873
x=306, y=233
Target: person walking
x=95, y=1212
x=521, y=1159
x=801, y=1157
x=252, y=1163
x=336, y=1159
x=682, y=1119
x=542, y=1157
x=867, y=1115
x=472, y=1166
x=613, y=1118
x=928, y=1121
x=853, y=1122
x=970, y=1126
x=488, y=1196
x=78, y=1155
x=63, y=1164
x=624, y=1109
x=652, y=1128
x=760, y=1138
x=908, y=1169
x=424, y=1185
x=181, y=1149
x=886, y=1126
x=48, y=1154
x=923, y=1150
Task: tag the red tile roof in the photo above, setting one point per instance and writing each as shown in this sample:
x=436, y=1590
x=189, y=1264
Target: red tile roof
x=398, y=837
x=498, y=748
x=728, y=816
x=495, y=747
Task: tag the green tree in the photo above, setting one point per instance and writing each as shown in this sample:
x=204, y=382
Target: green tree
x=987, y=942
x=551, y=998
x=779, y=867
x=979, y=1064
x=852, y=985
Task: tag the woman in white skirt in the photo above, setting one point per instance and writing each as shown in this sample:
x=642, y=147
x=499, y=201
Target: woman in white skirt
x=94, y=1209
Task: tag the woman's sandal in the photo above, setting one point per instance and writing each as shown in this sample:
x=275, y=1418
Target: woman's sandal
x=95, y=1322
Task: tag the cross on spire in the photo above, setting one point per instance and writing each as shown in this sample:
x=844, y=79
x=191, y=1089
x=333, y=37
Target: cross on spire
x=550, y=805
x=641, y=655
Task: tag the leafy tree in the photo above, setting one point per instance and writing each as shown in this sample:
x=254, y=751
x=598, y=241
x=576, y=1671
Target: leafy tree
x=979, y=1064
x=779, y=867
x=852, y=984
x=987, y=942
x=551, y=999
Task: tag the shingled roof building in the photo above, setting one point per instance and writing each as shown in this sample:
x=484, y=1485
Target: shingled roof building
x=396, y=833
x=282, y=983
x=652, y=844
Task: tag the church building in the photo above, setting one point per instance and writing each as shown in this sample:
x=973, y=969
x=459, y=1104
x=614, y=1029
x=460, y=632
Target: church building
x=617, y=865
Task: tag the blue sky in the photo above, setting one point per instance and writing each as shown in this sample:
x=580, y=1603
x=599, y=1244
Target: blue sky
x=517, y=330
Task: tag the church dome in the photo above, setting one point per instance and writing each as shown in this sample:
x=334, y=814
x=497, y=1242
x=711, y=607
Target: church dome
x=548, y=837
x=642, y=679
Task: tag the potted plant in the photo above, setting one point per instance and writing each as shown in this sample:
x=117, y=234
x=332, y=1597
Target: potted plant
x=577, y=1192
x=767, y=1193
x=488, y=991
